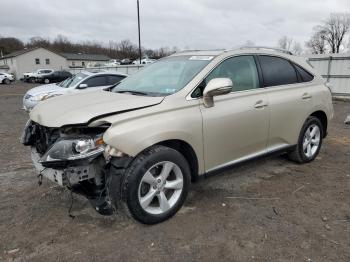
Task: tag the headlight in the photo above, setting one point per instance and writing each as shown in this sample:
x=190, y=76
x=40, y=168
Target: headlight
x=73, y=149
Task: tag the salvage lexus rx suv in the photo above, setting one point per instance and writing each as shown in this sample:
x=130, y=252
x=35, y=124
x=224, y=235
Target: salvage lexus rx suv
x=139, y=145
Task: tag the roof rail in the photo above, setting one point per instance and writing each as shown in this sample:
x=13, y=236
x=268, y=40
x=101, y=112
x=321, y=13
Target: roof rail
x=267, y=48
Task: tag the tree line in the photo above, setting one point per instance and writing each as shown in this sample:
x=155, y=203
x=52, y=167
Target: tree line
x=331, y=36
x=61, y=44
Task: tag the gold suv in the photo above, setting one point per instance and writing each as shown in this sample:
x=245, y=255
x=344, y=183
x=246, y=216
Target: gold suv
x=139, y=144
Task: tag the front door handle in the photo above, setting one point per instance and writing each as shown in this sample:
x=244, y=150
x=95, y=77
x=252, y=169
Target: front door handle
x=260, y=104
x=306, y=96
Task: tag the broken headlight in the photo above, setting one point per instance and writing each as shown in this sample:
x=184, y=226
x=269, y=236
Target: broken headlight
x=67, y=149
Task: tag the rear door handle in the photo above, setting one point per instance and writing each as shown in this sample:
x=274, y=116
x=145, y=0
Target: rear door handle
x=260, y=104
x=306, y=96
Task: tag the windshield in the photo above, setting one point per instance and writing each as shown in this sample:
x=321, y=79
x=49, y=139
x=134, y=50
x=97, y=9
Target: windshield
x=69, y=82
x=164, y=77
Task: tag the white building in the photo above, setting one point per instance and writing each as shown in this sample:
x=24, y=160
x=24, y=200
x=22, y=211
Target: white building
x=29, y=60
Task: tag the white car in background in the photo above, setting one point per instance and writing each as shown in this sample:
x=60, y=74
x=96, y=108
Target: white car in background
x=144, y=61
x=31, y=77
x=83, y=81
x=6, y=78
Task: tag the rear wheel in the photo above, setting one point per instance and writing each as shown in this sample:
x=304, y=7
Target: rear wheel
x=6, y=81
x=310, y=141
x=156, y=184
x=46, y=81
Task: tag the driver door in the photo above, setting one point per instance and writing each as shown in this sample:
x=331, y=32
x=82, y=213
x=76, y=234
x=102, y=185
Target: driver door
x=236, y=127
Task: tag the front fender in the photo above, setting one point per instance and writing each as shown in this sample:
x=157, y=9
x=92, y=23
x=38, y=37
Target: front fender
x=136, y=134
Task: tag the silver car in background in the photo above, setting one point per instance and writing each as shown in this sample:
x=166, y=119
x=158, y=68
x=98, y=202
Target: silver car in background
x=83, y=81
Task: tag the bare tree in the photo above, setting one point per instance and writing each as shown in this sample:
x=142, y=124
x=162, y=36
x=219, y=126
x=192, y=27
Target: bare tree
x=317, y=43
x=335, y=29
x=297, y=49
x=285, y=43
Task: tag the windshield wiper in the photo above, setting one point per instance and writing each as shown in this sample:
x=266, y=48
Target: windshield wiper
x=133, y=92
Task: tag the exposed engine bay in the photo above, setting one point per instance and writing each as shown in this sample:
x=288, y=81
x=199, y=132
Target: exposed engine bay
x=74, y=157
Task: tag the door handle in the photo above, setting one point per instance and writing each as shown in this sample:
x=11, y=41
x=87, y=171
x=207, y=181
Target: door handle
x=260, y=104
x=306, y=96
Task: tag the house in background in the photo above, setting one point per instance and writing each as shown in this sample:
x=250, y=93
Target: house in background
x=29, y=60
x=84, y=60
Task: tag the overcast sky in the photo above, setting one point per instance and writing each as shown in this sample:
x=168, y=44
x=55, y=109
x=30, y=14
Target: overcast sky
x=185, y=24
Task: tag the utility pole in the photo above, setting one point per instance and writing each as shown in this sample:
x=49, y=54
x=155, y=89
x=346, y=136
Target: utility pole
x=138, y=20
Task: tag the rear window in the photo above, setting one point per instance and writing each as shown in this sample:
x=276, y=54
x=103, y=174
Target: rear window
x=277, y=71
x=303, y=74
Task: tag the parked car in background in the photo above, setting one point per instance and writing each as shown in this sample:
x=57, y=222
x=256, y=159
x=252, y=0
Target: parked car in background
x=144, y=61
x=54, y=77
x=31, y=77
x=126, y=61
x=190, y=114
x=113, y=62
x=6, y=78
x=83, y=81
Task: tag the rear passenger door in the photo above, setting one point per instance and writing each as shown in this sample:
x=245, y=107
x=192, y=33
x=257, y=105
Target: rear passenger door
x=289, y=99
x=96, y=82
x=113, y=79
x=236, y=127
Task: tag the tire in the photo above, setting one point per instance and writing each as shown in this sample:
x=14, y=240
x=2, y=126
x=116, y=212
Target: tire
x=147, y=181
x=31, y=80
x=304, y=154
x=6, y=81
x=46, y=81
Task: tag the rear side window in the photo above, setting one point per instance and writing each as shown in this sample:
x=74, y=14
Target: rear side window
x=113, y=79
x=303, y=74
x=277, y=71
x=96, y=81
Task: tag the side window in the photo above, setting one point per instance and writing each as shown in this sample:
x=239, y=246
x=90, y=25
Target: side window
x=113, y=79
x=277, y=71
x=240, y=69
x=303, y=74
x=96, y=81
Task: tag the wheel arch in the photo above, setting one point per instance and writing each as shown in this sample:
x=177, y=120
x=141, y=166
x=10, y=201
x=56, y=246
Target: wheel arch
x=187, y=151
x=322, y=116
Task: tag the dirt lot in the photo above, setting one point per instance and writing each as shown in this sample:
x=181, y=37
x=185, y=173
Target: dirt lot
x=302, y=212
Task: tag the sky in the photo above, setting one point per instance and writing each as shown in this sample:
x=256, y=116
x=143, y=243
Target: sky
x=191, y=24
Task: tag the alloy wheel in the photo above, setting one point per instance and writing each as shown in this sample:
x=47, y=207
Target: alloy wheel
x=311, y=141
x=160, y=188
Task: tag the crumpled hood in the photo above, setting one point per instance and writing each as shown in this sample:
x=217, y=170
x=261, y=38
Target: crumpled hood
x=43, y=89
x=82, y=107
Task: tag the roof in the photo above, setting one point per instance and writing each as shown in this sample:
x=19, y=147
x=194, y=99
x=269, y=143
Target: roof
x=17, y=53
x=88, y=57
x=89, y=73
x=242, y=50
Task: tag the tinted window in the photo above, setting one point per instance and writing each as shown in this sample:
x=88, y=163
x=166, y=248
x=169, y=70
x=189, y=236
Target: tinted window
x=241, y=70
x=277, y=71
x=112, y=79
x=96, y=81
x=303, y=74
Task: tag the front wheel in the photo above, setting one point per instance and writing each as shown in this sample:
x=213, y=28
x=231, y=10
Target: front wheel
x=46, y=81
x=156, y=184
x=310, y=141
x=7, y=81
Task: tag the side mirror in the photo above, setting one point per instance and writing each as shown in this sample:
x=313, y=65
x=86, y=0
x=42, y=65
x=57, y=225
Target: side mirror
x=82, y=86
x=216, y=87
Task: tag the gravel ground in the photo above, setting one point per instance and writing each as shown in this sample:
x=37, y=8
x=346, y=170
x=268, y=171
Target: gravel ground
x=281, y=211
